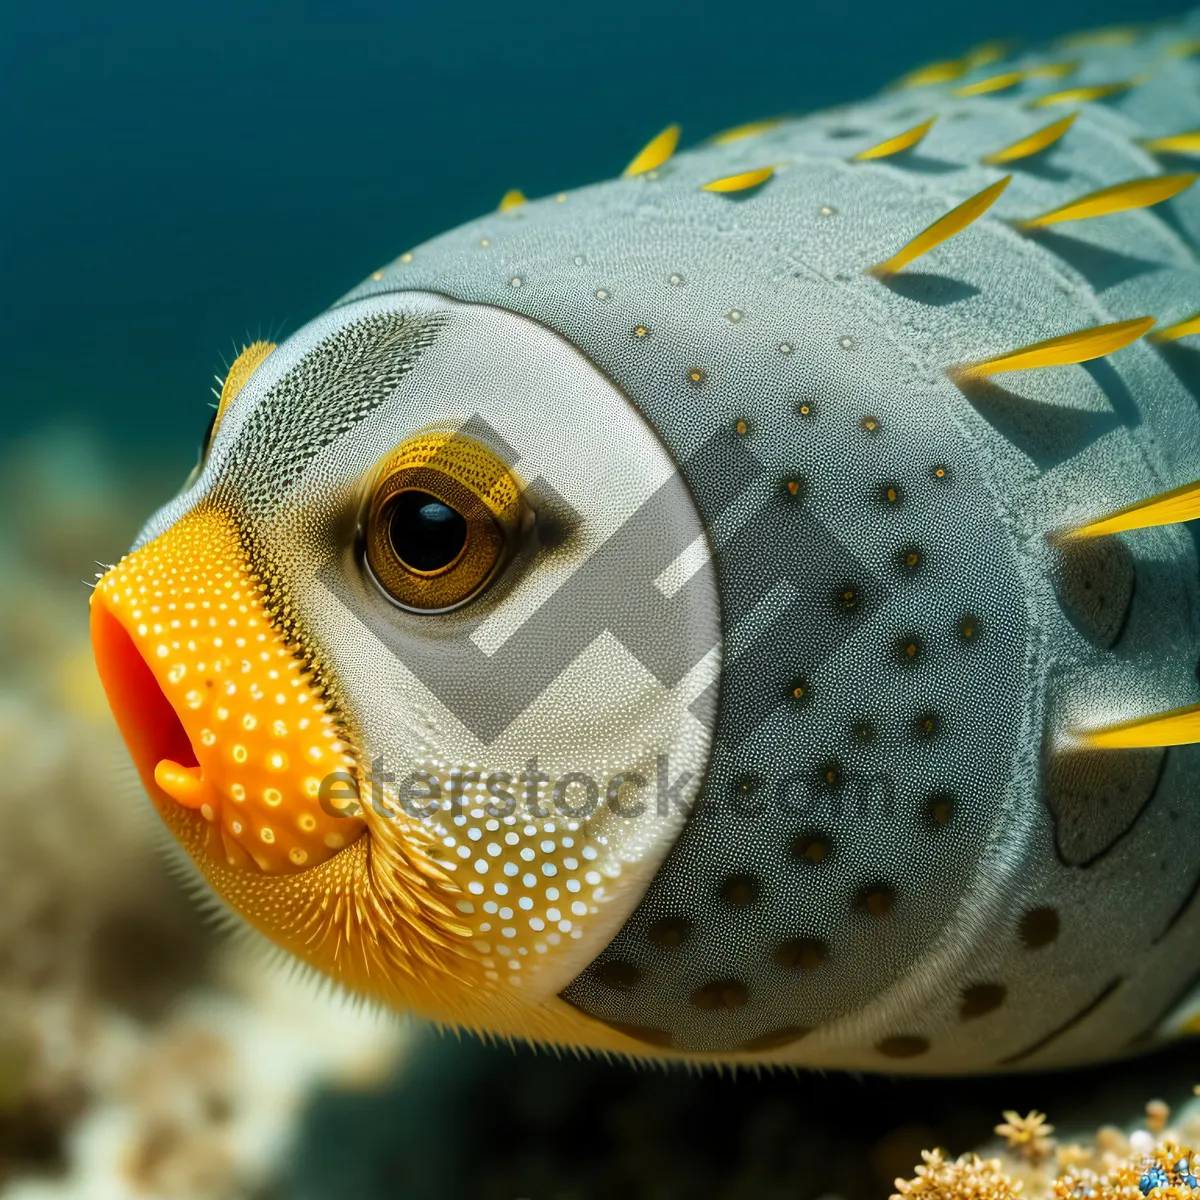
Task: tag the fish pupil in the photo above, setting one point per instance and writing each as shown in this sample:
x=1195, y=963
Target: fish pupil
x=426, y=533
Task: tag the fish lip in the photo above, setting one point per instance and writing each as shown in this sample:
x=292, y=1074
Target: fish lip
x=232, y=739
x=148, y=723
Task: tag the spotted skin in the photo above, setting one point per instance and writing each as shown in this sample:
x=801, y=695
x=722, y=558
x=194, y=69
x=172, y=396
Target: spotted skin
x=897, y=858
x=789, y=261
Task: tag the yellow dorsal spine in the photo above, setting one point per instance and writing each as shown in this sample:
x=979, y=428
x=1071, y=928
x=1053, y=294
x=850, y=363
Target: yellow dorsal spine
x=898, y=144
x=995, y=83
x=1133, y=193
x=938, y=72
x=1032, y=144
x=1176, y=143
x=1084, y=93
x=1172, y=333
x=1052, y=70
x=1178, y=727
x=740, y=182
x=655, y=152
x=1168, y=508
x=956, y=220
x=749, y=130
x=1078, y=347
x=511, y=199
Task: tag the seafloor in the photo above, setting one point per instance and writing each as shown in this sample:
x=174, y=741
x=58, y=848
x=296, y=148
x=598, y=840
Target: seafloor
x=143, y=1052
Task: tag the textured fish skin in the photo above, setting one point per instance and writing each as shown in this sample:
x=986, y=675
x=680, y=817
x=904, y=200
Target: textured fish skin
x=901, y=857
x=1109, y=847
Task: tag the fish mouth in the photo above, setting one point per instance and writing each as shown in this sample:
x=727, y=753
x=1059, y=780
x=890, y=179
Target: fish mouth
x=232, y=738
x=153, y=732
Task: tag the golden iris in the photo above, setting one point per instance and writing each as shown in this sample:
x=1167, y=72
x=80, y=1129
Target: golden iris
x=443, y=518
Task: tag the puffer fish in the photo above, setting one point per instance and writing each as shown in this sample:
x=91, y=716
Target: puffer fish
x=743, y=611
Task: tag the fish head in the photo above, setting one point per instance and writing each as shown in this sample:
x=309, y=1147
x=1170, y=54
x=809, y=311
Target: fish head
x=405, y=665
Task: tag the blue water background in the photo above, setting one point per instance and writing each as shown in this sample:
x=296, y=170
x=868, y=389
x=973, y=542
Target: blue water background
x=176, y=178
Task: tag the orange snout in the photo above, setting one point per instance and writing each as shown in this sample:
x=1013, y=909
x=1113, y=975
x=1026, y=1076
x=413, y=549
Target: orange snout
x=226, y=729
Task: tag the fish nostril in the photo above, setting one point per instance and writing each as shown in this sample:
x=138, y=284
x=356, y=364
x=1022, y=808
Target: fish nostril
x=148, y=721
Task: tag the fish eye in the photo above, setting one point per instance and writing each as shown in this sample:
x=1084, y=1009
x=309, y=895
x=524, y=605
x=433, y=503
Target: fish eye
x=444, y=517
x=426, y=534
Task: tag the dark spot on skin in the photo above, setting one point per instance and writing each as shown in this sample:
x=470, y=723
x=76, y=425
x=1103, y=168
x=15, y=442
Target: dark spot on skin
x=795, y=488
x=870, y=424
x=848, y=598
x=801, y=954
x=909, y=649
x=720, y=995
x=941, y=473
x=940, y=808
x=746, y=785
x=890, y=494
x=740, y=890
x=1039, y=927
x=909, y=560
x=776, y=1037
x=741, y=427
x=617, y=974
x=876, y=900
x=981, y=998
x=806, y=409
x=927, y=726
x=696, y=376
x=968, y=628
x=641, y=332
x=830, y=775
x=800, y=692
x=811, y=847
x=903, y=1046
x=669, y=932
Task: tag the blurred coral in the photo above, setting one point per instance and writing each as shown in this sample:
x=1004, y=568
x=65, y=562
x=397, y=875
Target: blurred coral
x=1028, y=1136
x=1150, y=1164
x=965, y=1178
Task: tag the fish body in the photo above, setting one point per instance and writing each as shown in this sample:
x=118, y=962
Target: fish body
x=670, y=617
